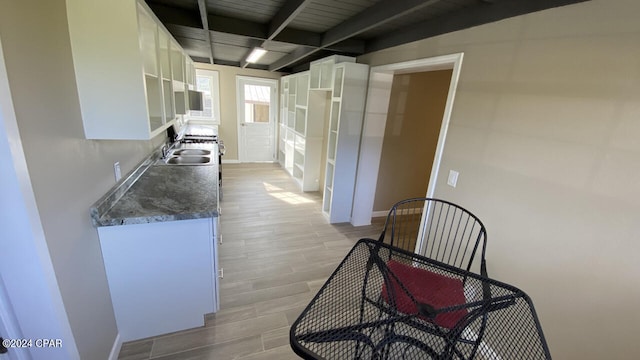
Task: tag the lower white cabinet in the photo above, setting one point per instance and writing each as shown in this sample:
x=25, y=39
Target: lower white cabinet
x=162, y=276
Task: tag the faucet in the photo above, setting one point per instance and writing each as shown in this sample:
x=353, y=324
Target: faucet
x=165, y=151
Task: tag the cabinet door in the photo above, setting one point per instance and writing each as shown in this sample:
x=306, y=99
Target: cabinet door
x=150, y=46
x=161, y=275
x=169, y=111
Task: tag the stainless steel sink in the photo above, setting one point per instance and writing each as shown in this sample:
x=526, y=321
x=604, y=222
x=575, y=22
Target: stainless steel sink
x=191, y=152
x=188, y=160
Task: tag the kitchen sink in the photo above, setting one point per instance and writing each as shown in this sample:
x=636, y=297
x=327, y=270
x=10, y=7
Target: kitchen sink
x=191, y=152
x=188, y=160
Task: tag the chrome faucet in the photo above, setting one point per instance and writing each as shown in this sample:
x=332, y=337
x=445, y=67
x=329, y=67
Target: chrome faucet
x=165, y=151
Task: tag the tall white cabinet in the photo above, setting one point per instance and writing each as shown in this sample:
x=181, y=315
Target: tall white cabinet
x=324, y=107
x=348, y=97
x=300, y=131
x=130, y=73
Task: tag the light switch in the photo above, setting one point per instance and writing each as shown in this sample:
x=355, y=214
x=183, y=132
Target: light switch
x=453, y=178
x=116, y=170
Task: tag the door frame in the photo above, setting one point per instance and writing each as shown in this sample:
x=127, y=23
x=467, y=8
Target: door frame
x=375, y=119
x=273, y=113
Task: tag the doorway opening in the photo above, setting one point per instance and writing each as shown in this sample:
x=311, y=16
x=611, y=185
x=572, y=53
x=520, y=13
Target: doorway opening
x=257, y=109
x=377, y=113
x=411, y=135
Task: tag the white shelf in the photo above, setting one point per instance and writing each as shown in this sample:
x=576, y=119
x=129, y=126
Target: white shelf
x=297, y=156
x=307, y=107
x=345, y=125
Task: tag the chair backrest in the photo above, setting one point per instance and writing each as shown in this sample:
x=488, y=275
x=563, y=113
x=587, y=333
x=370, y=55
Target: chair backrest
x=450, y=234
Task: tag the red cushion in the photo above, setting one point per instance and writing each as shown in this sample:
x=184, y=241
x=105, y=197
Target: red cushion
x=436, y=290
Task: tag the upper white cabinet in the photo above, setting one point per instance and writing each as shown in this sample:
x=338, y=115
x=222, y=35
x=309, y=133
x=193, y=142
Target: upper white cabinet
x=321, y=71
x=126, y=70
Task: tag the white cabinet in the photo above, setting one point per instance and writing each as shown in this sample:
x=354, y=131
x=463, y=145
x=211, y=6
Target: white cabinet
x=345, y=127
x=324, y=104
x=123, y=69
x=301, y=128
x=162, y=276
x=321, y=71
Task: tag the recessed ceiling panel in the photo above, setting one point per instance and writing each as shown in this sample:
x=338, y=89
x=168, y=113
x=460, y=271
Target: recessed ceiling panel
x=186, y=32
x=229, y=52
x=231, y=39
x=254, y=10
x=322, y=15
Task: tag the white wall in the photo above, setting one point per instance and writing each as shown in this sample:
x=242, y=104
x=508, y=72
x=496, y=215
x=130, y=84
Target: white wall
x=544, y=133
x=30, y=302
x=228, y=128
x=68, y=173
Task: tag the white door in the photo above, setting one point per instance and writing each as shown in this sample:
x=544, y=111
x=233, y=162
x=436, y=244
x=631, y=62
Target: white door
x=257, y=107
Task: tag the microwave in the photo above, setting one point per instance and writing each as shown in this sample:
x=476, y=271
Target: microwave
x=194, y=101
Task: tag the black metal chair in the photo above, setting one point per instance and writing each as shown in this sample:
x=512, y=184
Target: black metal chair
x=385, y=301
x=449, y=233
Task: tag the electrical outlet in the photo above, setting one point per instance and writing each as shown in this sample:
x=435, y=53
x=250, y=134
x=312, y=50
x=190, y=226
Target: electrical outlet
x=116, y=171
x=453, y=178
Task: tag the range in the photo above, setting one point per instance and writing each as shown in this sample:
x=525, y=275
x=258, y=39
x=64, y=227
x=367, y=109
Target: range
x=204, y=135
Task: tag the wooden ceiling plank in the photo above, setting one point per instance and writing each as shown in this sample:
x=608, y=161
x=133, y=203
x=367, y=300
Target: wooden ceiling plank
x=479, y=14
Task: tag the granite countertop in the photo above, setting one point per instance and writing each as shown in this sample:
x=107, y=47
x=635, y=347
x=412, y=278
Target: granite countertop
x=156, y=193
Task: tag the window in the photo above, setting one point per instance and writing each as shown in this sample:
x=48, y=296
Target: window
x=207, y=82
x=256, y=103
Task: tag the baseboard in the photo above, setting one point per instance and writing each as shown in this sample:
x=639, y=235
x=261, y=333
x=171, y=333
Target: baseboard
x=115, y=350
x=232, y=161
x=379, y=213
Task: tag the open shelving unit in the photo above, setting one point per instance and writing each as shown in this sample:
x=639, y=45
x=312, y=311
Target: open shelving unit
x=324, y=107
x=300, y=137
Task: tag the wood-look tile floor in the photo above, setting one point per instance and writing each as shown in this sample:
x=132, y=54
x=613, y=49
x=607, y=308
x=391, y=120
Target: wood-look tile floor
x=277, y=250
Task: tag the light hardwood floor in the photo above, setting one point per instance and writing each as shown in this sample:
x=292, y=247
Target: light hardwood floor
x=278, y=249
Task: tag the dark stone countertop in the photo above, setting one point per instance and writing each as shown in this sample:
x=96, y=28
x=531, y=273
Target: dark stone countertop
x=161, y=193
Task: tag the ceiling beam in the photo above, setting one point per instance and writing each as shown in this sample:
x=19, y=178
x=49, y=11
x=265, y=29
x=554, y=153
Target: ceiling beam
x=202, y=6
x=481, y=13
x=236, y=26
x=376, y=15
x=293, y=57
x=284, y=16
x=180, y=17
x=279, y=22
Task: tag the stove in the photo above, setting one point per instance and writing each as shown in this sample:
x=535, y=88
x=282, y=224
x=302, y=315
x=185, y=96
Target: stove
x=203, y=136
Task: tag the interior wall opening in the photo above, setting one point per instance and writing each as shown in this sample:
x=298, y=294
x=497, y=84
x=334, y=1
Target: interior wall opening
x=414, y=119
